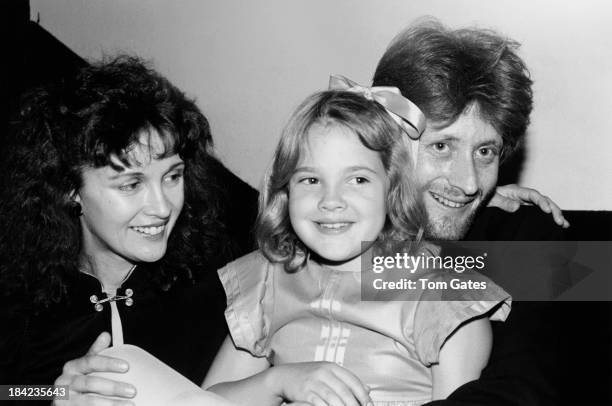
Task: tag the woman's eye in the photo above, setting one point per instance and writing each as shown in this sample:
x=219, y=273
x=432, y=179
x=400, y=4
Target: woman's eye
x=129, y=187
x=174, y=177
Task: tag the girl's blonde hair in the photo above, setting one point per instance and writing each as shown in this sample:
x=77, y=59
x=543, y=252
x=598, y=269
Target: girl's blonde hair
x=377, y=131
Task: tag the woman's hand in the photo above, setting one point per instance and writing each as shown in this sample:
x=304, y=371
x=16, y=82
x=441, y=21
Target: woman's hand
x=319, y=384
x=84, y=389
x=510, y=197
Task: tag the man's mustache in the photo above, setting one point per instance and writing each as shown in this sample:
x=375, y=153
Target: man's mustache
x=450, y=191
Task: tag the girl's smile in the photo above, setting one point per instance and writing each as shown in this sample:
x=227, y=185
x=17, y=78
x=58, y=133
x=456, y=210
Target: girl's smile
x=333, y=228
x=337, y=196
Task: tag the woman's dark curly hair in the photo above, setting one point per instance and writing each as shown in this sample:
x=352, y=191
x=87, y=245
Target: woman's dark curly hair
x=82, y=122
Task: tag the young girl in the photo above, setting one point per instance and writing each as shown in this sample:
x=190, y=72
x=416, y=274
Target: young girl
x=299, y=329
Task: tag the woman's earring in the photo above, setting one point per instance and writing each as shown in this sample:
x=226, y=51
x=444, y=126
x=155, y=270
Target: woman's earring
x=75, y=209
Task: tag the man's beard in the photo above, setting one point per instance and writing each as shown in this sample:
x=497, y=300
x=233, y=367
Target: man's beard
x=448, y=227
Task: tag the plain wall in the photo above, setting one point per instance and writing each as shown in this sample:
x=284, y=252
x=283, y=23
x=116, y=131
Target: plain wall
x=249, y=64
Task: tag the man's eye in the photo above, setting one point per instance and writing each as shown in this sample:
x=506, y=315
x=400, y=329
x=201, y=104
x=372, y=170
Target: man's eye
x=440, y=146
x=487, y=153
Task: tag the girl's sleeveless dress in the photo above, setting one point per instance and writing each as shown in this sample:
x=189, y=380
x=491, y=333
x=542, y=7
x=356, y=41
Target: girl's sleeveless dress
x=316, y=314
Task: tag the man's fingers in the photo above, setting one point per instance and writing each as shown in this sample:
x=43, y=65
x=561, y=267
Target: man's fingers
x=560, y=219
x=510, y=197
x=102, y=386
x=549, y=206
x=101, y=342
x=537, y=200
x=505, y=203
x=95, y=363
x=558, y=214
x=543, y=202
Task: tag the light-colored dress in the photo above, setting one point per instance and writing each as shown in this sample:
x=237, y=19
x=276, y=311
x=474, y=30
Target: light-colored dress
x=316, y=314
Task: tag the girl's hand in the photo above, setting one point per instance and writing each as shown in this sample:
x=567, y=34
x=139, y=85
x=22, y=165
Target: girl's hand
x=86, y=390
x=510, y=197
x=320, y=384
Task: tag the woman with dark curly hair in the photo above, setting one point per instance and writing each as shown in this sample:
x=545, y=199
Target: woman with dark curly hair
x=110, y=216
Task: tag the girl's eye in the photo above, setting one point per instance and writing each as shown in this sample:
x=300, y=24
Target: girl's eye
x=309, y=181
x=358, y=180
x=129, y=187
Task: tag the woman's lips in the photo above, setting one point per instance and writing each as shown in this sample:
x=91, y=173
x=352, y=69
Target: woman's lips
x=149, y=230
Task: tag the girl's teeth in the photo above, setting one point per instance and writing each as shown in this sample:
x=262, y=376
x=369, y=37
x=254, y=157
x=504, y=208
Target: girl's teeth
x=149, y=230
x=447, y=202
x=333, y=225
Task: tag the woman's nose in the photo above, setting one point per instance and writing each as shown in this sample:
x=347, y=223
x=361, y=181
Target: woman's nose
x=157, y=203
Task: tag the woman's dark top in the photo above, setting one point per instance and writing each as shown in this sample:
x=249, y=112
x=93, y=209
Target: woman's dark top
x=182, y=326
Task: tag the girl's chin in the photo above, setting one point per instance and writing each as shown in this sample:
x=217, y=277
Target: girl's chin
x=338, y=260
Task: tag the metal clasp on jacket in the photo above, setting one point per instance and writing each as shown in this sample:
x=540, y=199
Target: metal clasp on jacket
x=99, y=304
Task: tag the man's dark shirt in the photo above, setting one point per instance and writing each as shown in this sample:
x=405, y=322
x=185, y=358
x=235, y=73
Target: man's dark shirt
x=546, y=353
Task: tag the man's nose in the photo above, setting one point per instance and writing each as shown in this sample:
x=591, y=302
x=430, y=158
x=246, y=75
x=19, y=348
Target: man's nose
x=464, y=175
x=157, y=203
x=332, y=199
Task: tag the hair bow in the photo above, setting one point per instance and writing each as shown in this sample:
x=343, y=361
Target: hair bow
x=407, y=114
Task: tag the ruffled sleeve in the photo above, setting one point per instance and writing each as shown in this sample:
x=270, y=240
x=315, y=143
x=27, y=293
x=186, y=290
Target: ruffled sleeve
x=248, y=284
x=441, y=311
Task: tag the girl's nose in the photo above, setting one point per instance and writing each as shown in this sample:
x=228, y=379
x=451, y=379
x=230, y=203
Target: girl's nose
x=332, y=200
